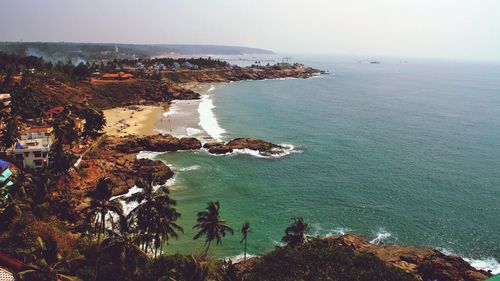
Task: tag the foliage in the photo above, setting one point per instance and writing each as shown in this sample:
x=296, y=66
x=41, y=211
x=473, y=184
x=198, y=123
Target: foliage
x=47, y=264
x=100, y=206
x=211, y=225
x=322, y=260
x=245, y=229
x=155, y=216
x=295, y=234
x=94, y=122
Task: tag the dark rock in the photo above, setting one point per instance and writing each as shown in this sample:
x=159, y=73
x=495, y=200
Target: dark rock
x=254, y=144
x=189, y=144
x=220, y=149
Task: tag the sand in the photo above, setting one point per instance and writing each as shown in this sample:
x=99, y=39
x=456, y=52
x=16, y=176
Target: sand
x=181, y=118
x=137, y=120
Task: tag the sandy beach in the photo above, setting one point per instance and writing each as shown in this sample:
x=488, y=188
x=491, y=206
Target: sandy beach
x=137, y=120
x=184, y=117
x=180, y=118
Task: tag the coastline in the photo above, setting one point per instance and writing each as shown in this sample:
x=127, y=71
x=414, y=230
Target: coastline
x=192, y=118
x=136, y=120
x=182, y=118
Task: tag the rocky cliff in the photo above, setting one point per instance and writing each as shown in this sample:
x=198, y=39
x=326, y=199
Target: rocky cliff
x=424, y=263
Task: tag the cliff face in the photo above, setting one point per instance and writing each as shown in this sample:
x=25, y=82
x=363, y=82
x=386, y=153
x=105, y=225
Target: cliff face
x=101, y=94
x=226, y=75
x=425, y=264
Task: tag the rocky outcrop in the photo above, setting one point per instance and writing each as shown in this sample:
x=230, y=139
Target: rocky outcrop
x=264, y=148
x=161, y=143
x=116, y=158
x=425, y=264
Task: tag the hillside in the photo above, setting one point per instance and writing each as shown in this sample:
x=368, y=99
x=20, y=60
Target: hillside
x=62, y=51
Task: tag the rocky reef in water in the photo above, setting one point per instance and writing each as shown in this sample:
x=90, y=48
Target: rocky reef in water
x=116, y=158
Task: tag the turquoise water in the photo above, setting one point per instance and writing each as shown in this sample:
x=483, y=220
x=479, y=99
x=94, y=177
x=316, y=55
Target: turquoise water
x=405, y=153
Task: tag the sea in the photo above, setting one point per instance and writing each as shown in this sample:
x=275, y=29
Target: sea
x=401, y=151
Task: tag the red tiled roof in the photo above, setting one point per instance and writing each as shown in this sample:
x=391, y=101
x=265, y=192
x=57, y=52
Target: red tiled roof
x=56, y=110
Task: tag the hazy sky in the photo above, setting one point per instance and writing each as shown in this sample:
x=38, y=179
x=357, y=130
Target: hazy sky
x=462, y=29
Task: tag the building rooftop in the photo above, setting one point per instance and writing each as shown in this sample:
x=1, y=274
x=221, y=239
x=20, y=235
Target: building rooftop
x=40, y=129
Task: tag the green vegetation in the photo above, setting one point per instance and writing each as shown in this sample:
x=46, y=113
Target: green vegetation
x=321, y=260
x=211, y=225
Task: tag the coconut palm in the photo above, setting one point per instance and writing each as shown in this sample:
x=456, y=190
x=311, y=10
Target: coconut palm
x=155, y=215
x=295, y=234
x=10, y=133
x=122, y=245
x=245, y=229
x=49, y=265
x=211, y=225
x=94, y=122
x=101, y=206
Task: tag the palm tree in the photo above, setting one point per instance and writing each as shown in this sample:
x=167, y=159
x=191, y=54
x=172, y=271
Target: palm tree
x=10, y=133
x=211, y=225
x=123, y=246
x=155, y=215
x=245, y=229
x=101, y=206
x=94, y=122
x=295, y=234
x=49, y=265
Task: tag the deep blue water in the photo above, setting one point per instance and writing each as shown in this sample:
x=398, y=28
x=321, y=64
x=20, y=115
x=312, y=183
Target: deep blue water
x=406, y=152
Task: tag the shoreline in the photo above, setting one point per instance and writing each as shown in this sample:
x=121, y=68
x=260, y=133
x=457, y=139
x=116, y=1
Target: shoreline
x=192, y=118
x=136, y=120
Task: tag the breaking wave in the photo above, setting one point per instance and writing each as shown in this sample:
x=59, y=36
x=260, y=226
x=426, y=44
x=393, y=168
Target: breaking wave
x=381, y=237
x=486, y=263
x=276, y=153
x=239, y=258
x=208, y=121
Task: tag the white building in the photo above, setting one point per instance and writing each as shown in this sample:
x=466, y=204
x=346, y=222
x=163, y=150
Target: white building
x=5, y=100
x=32, y=150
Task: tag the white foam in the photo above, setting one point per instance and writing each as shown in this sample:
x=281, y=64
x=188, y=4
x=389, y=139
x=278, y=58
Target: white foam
x=338, y=231
x=190, y=168
x=148, y=155
x=382, y=235
x=487, y=263
x=239, y=258
x=211, y=89
x=279, y=243
x=277, y=153
x=208, y=121
x=193, y=131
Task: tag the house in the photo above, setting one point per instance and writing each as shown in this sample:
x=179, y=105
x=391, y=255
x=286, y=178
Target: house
x=33, y=149
x=5, y=183
x=8, y=266
x=54, y=111
x=4, y=106
x=5, y=101
x=117, y=76
x=189, y=65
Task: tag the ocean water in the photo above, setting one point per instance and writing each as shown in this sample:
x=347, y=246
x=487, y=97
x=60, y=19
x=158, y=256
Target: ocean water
x=404, y=153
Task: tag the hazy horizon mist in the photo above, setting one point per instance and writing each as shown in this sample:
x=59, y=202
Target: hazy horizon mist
x=462, y=30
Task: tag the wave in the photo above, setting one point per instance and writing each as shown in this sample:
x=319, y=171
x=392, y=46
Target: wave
x=381, y=237
x=151, y=155
x=240, y=257
x=486, y=263
x=208, y=121
x=190, y=168
x=193, y=131
x=211, y=89
x=276, y=153
x=172, y=109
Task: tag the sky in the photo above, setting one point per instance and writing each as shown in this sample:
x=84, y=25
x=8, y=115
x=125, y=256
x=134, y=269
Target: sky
x=456, y=29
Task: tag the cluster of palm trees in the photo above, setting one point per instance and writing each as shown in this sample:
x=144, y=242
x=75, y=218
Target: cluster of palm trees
x=151, y=224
